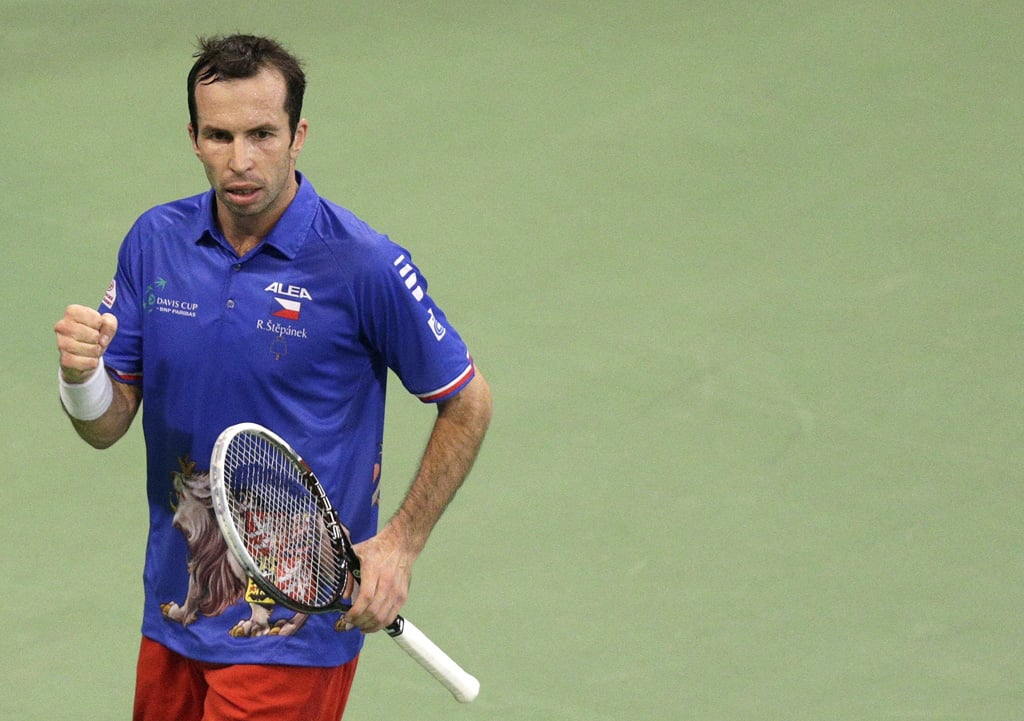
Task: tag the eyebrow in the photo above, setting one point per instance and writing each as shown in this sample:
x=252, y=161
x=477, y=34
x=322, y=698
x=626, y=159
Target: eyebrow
x=268, y=127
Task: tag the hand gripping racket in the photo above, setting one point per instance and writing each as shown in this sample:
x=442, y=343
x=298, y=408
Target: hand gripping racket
x=281, y=528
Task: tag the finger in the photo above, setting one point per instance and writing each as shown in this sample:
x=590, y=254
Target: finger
x=77, y=368
x=107, y=330
x=79, y=324
x=365, y=611
x=356, y=614
x=373, y=612
x=80, y=340
x=74, y=351
x=84, y=316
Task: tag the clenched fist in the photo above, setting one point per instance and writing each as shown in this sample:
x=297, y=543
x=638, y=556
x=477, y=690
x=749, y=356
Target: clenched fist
x=83, y=335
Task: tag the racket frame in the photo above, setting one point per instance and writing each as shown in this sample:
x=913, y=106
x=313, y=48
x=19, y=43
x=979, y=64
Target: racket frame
x=219, y=493
x=462, y=685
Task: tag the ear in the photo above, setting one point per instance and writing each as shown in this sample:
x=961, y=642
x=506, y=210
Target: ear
x=192, y=137
x=301, y=131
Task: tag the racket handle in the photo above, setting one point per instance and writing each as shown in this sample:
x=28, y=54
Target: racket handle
x=414, y=642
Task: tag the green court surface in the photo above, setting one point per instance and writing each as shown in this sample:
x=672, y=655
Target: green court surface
x=748, y=283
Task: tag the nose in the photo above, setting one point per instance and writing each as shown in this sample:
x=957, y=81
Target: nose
x=241, y=157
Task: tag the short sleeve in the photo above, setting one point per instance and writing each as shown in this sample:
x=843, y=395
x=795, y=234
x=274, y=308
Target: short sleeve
x=409, y=329
x=122, y=298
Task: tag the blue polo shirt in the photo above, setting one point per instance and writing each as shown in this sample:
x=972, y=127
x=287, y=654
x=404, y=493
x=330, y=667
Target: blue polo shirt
x=298, y=335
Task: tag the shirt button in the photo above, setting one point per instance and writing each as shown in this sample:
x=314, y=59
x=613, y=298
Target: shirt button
x=231, y=303
x=237, y=266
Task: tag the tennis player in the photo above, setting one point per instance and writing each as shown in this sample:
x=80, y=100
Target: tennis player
x=261, y=301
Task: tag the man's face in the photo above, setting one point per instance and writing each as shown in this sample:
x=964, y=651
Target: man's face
x=245, y=145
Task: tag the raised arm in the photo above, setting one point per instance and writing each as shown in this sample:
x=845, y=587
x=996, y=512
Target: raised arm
x=100, y=410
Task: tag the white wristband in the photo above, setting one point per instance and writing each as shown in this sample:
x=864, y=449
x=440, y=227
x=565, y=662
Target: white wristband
x=89, y=400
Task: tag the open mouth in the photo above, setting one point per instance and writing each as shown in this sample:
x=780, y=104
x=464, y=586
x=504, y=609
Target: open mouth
x=242, y=194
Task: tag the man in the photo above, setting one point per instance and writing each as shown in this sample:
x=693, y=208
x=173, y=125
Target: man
x=260, y=301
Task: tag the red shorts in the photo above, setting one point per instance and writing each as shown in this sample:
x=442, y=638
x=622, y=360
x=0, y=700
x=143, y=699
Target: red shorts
x=170, y=687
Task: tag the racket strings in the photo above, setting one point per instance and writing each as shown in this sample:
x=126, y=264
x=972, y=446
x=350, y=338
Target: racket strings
x=281, y=522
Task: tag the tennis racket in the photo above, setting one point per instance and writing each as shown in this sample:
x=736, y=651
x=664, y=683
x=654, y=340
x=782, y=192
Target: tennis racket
x=281, y=528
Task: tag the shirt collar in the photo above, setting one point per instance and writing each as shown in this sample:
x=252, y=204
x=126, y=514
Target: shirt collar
x=288, y=233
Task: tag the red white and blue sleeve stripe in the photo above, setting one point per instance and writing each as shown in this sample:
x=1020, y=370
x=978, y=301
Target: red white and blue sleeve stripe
x=133, y=379
x=451, y=389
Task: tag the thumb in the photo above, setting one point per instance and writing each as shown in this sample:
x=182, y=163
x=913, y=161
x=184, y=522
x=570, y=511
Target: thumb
x=108, y=329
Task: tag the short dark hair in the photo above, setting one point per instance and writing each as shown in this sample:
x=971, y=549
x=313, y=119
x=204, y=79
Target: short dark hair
x=243, y=56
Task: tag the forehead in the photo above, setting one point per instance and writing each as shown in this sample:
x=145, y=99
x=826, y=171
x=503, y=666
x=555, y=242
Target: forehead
x=243, y=102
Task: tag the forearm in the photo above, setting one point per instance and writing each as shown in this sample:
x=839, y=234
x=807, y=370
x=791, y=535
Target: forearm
x=453, y=446
x=388, y=557
x=106, y=430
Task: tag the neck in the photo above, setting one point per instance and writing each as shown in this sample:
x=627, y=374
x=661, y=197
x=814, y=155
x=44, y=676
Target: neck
x=242, y=236
x=242, y=233
x=243, y=245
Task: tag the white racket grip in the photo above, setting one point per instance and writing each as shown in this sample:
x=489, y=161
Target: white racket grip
x=463, y=686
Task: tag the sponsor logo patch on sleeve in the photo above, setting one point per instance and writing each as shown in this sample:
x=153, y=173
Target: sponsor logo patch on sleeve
x=111, y=294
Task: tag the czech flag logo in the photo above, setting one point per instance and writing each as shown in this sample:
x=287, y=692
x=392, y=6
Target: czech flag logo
x=284, y=308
